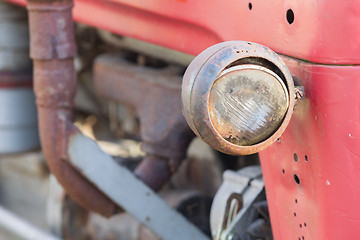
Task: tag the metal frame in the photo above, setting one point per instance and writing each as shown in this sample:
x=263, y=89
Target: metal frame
x=122, y=187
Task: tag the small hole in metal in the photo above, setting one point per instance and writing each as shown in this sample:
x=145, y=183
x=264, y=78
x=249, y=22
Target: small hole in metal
x=296, y=200
x=303, y=238
x=296, y=158
x=304, y=224
x=300, y=225
x=297, y=179
x=294, y=214
x=250, y=6
x=283, y=171
x=290, y=16
x=306, y=158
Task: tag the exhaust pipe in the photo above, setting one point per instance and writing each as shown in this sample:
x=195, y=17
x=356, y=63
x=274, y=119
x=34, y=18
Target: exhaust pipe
x=53, y=47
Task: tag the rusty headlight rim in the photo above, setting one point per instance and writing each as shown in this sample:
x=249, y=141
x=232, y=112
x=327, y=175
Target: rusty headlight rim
x=209, y=65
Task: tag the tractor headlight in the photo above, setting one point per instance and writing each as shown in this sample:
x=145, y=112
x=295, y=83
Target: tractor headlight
x=238, y=97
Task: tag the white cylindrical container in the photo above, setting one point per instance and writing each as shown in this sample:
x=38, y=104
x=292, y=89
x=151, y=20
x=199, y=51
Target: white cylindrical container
x=14, y=38
x=18, y=115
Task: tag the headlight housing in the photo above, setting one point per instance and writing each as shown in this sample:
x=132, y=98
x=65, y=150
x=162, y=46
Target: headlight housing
x=238, y=97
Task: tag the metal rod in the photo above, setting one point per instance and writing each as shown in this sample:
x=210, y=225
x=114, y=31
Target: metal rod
x=122, y=187
x=22, y=228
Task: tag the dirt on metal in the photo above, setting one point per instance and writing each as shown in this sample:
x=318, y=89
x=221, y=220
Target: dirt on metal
x=199, y=79
x=155, y=95
x=164, y=131
x=53, y=49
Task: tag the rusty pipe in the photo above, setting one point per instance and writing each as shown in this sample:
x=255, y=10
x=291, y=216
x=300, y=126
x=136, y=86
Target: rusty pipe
x=53, y=49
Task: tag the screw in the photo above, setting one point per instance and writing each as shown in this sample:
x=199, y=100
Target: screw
x=299, y=92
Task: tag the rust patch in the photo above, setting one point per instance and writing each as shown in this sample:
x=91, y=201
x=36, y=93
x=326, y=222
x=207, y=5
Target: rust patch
x=52, y=49
x=198, y=82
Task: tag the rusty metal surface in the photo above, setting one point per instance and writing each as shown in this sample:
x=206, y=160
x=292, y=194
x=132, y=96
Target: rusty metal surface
x=54, y=36
x=204, y=70
x=155, y=171
x=155, y=95
x=53, y=49
x=230, y=210
x=299, y=93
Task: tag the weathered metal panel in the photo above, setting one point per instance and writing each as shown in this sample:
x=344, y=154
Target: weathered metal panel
x=312, y=172
x=316, y=30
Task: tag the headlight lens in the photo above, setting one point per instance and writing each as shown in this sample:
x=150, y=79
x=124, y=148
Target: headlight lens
x=247, y=104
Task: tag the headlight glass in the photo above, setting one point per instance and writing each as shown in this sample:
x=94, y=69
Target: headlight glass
x=247, y=104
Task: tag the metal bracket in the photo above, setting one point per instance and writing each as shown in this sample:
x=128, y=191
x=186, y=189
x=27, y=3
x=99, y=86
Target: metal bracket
x=249, y=184
x=122, y=187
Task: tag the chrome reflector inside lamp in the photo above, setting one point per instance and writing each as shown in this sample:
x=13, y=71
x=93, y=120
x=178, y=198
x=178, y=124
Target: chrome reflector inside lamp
x=238, y=97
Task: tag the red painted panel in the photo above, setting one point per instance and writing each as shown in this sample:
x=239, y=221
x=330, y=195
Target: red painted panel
x=323, y=31
x=325, y=126
x=326, y=129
